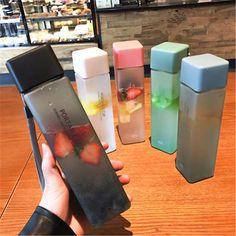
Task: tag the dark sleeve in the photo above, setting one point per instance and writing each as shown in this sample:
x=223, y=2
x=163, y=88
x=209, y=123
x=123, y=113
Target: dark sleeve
x=44, y=222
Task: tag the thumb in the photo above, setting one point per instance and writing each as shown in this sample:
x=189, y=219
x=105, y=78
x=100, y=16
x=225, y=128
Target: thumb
x=49, y=162
x=51, y=173
x=105, y=145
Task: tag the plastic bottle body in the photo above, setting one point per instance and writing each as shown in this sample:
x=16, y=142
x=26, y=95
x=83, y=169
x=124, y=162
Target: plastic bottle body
x=130, y=93
x=198, y=132
x=95, y=96
x=165, y=66
x=164, y=110
x=71, y=137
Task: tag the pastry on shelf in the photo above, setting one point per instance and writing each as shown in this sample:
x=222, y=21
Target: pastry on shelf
x=86, y=11
x=42, y=15
x=76, y=12
x=81, y=29
x=59, y=24
x=66, y=11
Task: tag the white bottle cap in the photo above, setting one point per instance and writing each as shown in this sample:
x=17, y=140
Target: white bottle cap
x=90, y=62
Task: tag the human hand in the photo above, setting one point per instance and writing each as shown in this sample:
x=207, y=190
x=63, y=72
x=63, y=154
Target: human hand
x=57, y=198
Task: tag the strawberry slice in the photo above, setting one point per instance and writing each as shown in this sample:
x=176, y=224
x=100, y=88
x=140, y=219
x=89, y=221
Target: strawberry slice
x=133, y=92
x=63, y=146
x=81, y=134
x=91, y=154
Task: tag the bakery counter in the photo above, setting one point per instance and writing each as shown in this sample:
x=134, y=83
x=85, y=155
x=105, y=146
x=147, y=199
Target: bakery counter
x=68, y=25
x=63, y=52
x=199, y=25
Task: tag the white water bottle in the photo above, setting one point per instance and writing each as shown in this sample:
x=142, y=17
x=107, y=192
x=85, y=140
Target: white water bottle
x=94, y=91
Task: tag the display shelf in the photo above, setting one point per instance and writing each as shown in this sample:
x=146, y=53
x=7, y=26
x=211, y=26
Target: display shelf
x=56, y=18
x=156, y=6
x=61, y=39
x=9, y=21
x=82, y=41
x=72, y=22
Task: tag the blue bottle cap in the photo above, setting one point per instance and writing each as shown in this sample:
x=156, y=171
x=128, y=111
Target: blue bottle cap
x=167, y=56
x=204, y=72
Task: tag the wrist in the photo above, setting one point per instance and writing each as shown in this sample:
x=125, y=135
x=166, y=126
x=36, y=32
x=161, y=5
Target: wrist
x=54, y=205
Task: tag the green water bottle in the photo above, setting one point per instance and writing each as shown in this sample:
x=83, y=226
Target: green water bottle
x=165, y=71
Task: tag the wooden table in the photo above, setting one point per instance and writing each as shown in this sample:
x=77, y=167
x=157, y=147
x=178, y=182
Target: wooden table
x=163, y=202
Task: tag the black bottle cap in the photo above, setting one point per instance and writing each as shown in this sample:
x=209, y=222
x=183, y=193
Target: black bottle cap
x=34, y=67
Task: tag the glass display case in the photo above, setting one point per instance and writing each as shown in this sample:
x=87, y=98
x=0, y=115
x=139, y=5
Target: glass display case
x=106, y=5
x=48, y=21
x=12, y=30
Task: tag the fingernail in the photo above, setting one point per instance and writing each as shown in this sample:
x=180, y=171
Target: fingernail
x=126, y=177
x=120, y=163
x=105, y=145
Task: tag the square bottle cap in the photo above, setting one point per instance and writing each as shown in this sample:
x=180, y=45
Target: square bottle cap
x=34, y=67
x=128, y=54
x=167, y=56
x=90, y=62
x=204, y=72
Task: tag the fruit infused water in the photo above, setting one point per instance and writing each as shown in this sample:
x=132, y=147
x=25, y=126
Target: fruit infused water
x=165, y=67
x=129, y=76
x=69, y=133
x=94, y=91
x=130, y=103
x=164, y=107
x=76, y=142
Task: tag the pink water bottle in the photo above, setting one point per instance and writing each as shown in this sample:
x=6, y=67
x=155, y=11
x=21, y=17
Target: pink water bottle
x=129, y=76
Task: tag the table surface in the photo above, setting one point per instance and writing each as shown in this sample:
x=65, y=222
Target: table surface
x=163, y=202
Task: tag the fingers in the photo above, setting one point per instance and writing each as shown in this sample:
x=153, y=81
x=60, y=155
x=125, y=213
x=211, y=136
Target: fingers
x=117, y=165
x=49, y=161
x=124, y=179
x=49, y=166
x=105, y=145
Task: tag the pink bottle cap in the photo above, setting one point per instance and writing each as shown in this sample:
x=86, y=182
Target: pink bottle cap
x=128, y=54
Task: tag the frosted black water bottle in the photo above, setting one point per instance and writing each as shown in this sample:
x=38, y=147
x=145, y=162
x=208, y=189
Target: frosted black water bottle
x=56, y=108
